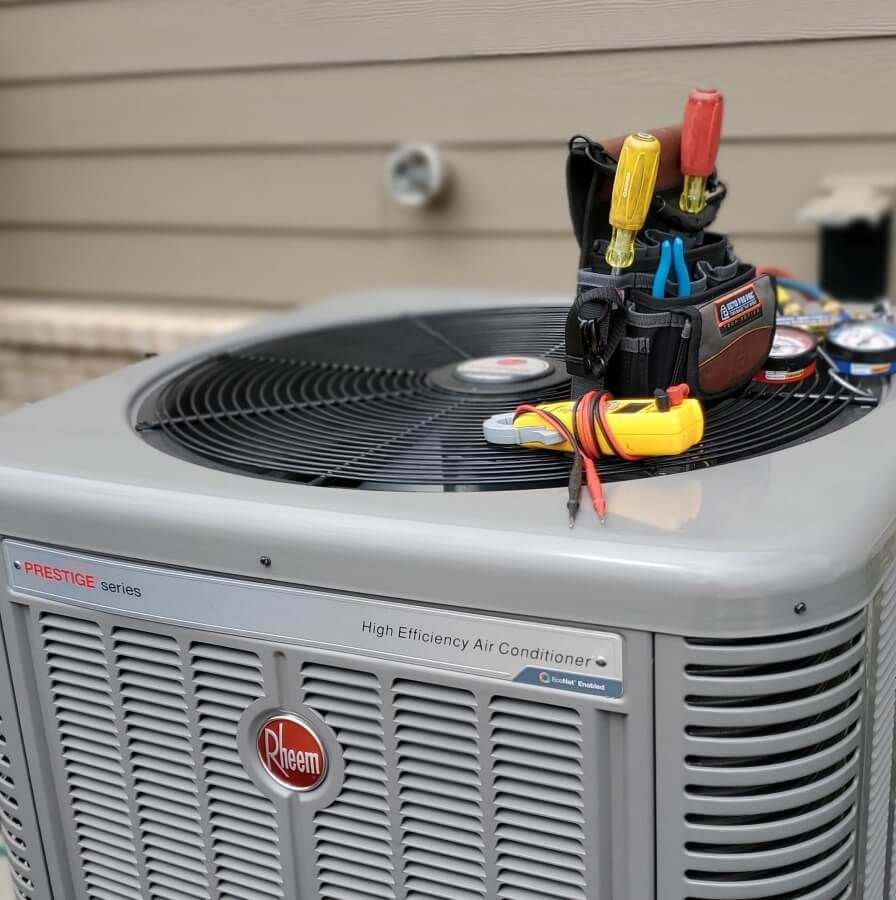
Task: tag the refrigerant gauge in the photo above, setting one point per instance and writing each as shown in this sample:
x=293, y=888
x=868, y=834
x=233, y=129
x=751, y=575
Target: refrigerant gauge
x=864, y=348
x=792, y=357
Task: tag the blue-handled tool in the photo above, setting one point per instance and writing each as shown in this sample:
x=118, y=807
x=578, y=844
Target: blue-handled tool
x=662, y=271
x=672, y=254
x=682, y=276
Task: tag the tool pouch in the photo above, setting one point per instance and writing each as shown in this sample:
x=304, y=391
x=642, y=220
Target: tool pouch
x=620, y=337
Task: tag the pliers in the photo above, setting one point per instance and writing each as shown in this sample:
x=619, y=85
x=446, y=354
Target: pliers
x=671, y=253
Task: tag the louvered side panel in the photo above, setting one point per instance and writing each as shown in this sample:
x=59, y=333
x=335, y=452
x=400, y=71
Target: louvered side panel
x=352, y=835
x=439, y=791
x=243, y=836
x=762, y=764
x=12, y=827
x=157, y=731
x=18, y=822
x=538, y=761
x=878, y=791
x=88, y=733
x=441, y=785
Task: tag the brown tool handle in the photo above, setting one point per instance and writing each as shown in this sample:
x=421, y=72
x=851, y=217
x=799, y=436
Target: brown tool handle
x=669, y=174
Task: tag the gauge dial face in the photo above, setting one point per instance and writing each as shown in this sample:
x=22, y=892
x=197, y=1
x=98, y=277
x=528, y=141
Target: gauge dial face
x=791, y=343
x=864, y=336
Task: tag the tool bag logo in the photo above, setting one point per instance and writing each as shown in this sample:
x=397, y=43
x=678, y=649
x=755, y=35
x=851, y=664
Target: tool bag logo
x=737, y=309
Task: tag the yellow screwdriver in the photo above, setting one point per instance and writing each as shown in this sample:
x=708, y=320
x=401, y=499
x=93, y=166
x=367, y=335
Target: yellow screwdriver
x=632, y=197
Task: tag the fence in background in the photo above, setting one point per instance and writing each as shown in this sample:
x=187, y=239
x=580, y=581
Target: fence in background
x=46, y=347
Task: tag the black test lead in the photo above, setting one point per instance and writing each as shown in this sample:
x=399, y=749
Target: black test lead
x=575, y=488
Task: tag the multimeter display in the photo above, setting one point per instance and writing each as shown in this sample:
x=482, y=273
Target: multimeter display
x=637, y=406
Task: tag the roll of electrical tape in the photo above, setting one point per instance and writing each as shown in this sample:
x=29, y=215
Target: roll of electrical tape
x=792, y=357
x=864, y=348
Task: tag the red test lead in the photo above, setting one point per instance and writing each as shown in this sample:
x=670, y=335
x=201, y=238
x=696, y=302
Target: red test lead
x=590, y=422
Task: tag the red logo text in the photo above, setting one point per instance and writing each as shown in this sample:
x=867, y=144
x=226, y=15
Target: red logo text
x=55, y=573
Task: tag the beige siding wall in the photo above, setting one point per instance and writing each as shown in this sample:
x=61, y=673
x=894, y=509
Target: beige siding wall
x=163, y=152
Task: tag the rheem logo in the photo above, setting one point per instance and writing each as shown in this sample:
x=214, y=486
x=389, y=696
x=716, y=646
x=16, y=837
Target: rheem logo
x=291, y=753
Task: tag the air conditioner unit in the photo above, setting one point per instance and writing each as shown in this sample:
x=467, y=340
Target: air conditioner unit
x=278, y=623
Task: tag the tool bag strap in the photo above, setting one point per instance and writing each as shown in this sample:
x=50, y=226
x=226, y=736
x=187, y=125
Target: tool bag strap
x=594, y=331
x=589, y=174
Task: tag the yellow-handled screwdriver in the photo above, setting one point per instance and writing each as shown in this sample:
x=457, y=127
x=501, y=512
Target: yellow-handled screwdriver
x=633, y=188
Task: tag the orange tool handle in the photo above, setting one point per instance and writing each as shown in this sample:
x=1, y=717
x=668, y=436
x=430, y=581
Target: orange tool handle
x=701, y=132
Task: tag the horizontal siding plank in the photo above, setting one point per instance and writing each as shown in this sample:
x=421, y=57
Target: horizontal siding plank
x=256, y=190
x=267, y=269
x=98, y=37
x=495, y=190
x=834, y=88
x=285, y=270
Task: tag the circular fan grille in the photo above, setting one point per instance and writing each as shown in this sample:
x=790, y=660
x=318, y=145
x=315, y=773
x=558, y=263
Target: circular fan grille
x=367, y=406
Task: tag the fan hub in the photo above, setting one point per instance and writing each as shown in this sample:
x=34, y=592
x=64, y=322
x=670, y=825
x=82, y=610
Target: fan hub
x=502, y=369
x=498, y=374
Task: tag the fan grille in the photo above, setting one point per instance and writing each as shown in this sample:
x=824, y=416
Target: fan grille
x=360, y=406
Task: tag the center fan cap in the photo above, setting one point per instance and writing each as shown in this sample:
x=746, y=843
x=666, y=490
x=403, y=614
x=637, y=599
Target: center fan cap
x=502, y=369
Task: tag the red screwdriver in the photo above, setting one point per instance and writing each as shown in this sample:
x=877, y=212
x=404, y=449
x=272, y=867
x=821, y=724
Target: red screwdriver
x=700, y=135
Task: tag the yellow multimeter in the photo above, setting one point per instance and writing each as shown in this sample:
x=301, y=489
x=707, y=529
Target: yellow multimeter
x=641, y=426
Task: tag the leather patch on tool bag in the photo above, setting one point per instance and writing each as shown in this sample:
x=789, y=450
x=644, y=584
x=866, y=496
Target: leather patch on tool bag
x=723, y=341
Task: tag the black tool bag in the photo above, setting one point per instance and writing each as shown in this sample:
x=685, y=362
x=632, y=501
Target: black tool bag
x=620, y=337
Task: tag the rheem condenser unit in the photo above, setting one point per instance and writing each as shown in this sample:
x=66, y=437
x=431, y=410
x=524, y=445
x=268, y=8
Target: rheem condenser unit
x=279, y=623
